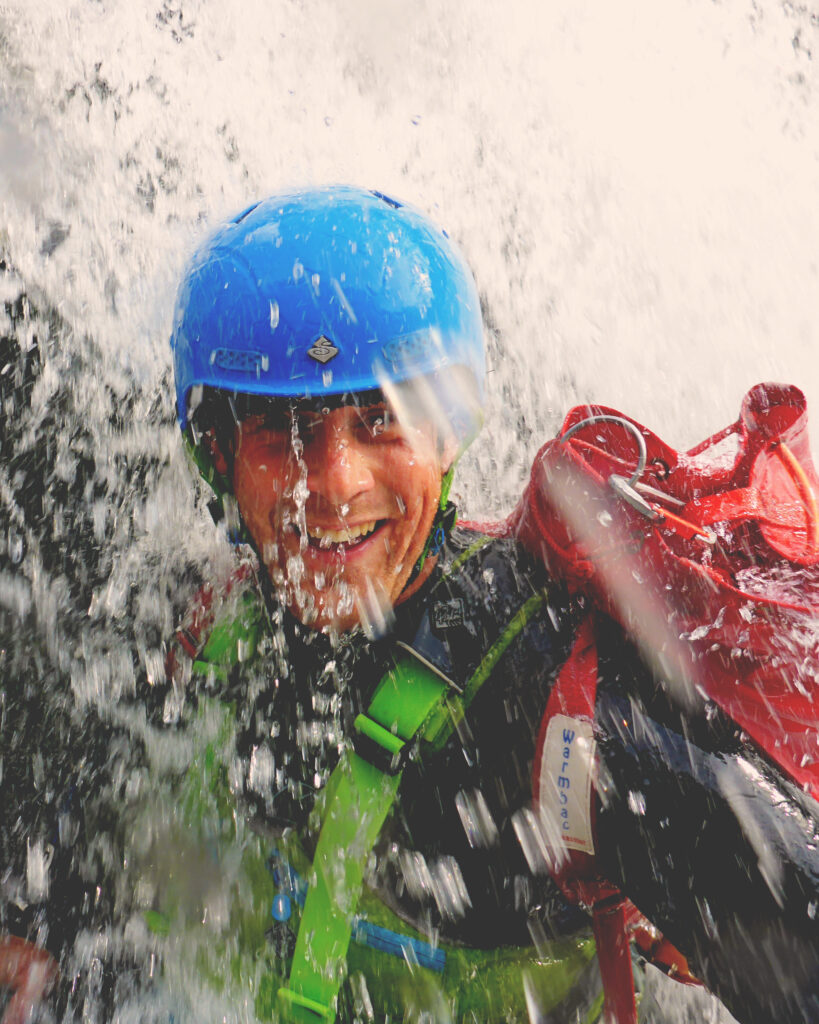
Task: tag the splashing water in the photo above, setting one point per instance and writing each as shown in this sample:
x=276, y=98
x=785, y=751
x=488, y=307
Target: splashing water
x=634, y=189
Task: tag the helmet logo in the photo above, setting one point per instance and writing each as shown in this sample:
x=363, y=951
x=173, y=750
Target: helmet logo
x=322, y=350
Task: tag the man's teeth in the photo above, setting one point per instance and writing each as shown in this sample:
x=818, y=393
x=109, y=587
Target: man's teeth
x=345, y=536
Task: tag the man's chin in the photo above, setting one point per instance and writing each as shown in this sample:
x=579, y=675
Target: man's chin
x=326, y=610
x=341, y=609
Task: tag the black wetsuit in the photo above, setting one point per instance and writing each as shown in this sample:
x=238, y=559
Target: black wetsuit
x=485, y=768
x=706, y=837
x=702, y=832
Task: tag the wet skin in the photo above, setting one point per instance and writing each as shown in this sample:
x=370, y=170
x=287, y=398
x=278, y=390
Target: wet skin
x=339, y=504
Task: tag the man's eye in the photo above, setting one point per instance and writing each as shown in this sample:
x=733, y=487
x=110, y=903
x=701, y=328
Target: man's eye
x=378, y=422
x=268, y=420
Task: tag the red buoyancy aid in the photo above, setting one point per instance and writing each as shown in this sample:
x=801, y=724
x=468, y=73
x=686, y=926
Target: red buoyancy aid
x=709, y=560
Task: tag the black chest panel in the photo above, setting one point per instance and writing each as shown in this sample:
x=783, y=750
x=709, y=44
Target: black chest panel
x=448, y=857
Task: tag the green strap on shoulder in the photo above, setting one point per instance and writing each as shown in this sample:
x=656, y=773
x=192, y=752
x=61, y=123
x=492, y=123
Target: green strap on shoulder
x=412, y=703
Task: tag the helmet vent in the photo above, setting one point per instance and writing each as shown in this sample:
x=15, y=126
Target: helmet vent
x=240, y=361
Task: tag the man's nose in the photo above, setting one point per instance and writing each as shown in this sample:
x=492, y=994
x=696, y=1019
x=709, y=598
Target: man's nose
x=337, y=469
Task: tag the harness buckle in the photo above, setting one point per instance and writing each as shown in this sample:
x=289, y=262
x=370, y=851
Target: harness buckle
x=379, y=747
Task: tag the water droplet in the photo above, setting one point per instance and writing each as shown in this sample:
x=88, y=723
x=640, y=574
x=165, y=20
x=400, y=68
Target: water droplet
x=16, y=546
x=476, y=818
x=636, y=802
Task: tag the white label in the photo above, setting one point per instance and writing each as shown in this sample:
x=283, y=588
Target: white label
x=566, y=769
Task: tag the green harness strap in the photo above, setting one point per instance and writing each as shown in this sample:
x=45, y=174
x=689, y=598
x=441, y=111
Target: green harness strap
x=408, y=700
x=413, y=703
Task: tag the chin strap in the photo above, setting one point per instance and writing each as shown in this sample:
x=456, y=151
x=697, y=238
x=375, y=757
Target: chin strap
x=223, y=506
x=446, y=516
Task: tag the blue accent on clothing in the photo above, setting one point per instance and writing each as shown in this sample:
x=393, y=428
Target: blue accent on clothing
x=281, y=908
x=287, y=879
x=365, y=934
x=414, y=950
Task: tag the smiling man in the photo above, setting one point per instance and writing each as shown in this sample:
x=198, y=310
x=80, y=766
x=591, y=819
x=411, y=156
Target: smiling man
x=383, y=675
x=329, y=347
x=329, y=363
x=353, y=824
x=339, y=502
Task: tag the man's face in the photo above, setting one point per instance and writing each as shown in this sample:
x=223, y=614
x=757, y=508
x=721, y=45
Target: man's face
x=339, y=503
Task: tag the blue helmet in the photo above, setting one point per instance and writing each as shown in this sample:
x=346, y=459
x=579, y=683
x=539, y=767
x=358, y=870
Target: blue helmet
x=325, y=292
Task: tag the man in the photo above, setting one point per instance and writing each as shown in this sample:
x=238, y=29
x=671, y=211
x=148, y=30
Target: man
x=389, y=674
x=329, y=365
x=346, y=828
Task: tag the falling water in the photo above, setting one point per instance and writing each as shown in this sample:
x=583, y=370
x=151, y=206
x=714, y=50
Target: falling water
x=634, y=186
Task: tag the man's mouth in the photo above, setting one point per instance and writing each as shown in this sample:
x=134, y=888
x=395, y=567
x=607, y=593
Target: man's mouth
x=348, y=536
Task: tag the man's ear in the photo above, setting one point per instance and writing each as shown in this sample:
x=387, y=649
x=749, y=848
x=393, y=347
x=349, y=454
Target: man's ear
x=449, y=452
x=215, y=452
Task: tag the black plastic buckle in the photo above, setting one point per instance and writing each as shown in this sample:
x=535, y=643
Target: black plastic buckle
x=381, y=758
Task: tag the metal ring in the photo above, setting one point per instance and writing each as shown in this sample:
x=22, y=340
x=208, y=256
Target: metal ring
x=631, y=427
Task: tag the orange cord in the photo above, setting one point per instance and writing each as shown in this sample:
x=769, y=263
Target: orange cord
x=806, y=493
x=682, y=526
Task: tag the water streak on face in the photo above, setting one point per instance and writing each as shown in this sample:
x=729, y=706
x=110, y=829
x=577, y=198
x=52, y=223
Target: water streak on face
x=339, y=503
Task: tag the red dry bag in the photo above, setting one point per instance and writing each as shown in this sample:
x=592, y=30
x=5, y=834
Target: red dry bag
x=709, y=560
